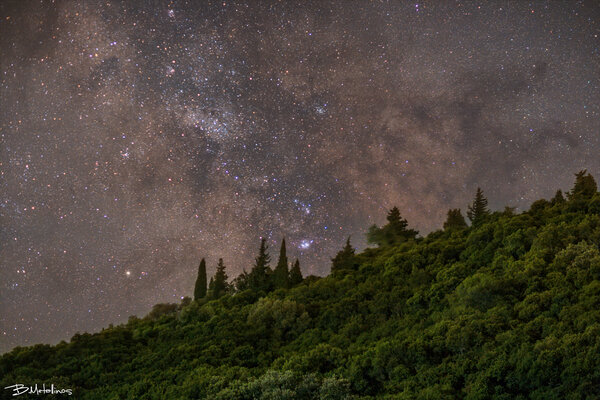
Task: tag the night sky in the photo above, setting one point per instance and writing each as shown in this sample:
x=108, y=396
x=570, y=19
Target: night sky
x=136, y=139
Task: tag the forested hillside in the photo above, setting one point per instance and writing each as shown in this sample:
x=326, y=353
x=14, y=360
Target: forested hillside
x=504, y=308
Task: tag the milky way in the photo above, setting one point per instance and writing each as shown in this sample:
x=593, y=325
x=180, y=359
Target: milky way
x=137, y=139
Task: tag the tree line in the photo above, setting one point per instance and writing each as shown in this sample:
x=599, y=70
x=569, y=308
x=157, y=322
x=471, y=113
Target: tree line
x=261, y=278
x=396, y=230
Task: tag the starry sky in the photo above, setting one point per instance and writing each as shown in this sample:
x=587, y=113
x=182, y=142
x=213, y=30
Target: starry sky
x=138, y=137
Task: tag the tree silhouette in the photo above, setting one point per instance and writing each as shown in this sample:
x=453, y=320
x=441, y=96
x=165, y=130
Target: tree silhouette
x=478, y=210
x=219, y=285
x=281, y=273
x=396, y=221
x=295, y=274
x=454, y=220
x=344, y=259
x=258, y=278
x=558, y=198
x=395, y=231
x=200, y=287
x=585, y=186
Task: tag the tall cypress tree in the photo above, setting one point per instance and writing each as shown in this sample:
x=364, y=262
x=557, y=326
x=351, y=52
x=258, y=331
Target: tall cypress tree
x=281, y=273
x=296, y=274
x=478, y=210
x=259, y=275
x=219, y=285
x=200, y=287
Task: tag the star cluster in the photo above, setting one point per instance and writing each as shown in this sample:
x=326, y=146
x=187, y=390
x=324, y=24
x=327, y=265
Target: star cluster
x=138, y=137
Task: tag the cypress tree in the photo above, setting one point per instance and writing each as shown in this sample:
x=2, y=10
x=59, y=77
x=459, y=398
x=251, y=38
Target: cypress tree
x=455, y=219
x=259, y=275
x=218, y=286
x=281, y=273
x=200, y=287
x=295, y=274
x=478, y=210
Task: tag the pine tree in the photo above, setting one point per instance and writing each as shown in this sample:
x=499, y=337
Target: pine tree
x=219, y=285
x=478, y=210
x=258, y=278
x=455, y=219
x=295, y=274
x=200, y=287
x=395, y=220
x=344, y=259
x=585, y=186
x=281, y=273
x=558, y=198
x=395, y=231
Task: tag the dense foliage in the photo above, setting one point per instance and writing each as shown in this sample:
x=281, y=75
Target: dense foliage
x=505, y=309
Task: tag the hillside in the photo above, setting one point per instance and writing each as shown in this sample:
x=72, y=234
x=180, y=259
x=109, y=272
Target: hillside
x=505, y=309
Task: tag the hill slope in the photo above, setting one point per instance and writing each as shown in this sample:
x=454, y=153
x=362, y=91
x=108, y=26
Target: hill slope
x=504, y=310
